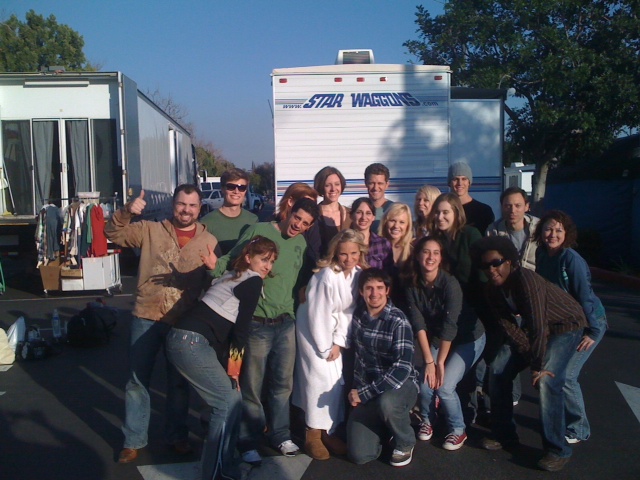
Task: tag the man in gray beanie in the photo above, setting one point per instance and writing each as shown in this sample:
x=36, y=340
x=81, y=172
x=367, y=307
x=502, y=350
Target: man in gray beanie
x=479, y=215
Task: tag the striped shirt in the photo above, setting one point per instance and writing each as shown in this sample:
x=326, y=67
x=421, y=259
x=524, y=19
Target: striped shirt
x=545, y=310
x=383, y=351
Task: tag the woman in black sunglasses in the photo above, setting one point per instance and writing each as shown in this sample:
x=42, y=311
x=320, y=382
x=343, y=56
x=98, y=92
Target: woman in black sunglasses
x=543, y=338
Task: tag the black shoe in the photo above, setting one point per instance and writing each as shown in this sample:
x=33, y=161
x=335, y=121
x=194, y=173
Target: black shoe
x=493, y=444
x=552, y=463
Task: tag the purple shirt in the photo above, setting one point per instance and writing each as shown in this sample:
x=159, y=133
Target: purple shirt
x=380, y=255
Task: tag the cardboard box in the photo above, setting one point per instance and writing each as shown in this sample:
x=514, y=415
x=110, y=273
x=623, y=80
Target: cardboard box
x=67, y=272
x=50, y=275
x=69, y=284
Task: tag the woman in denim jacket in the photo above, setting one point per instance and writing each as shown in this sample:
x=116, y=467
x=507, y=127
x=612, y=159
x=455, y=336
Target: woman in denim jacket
x=560, y=264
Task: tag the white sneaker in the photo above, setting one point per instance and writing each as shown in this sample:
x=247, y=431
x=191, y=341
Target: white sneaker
x=288, y=448
x=571, y=440
x=252, y=457
x=400, y=458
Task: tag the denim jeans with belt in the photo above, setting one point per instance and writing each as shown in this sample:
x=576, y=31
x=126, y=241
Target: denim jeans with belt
x=505, y=367
x=147, y=339
x=575, y=415
x=460, y=359
x=372, y=423
x=269, y=356
x=194, y=358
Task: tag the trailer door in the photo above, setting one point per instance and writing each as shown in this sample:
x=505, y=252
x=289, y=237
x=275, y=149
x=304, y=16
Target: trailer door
x=61, y=160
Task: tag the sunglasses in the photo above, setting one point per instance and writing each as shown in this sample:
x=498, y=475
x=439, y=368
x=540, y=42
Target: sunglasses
x=493, y=263
x=235, y=186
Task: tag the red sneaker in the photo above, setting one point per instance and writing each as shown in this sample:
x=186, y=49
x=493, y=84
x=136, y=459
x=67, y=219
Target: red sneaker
x=453, y=441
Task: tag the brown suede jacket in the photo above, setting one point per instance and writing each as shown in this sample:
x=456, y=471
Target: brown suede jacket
x=170, y=279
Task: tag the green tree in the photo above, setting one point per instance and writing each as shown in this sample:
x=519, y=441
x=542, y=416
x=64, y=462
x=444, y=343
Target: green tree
x=267, y=178
x=40, y=42
x=574, y=63
x=210, y=159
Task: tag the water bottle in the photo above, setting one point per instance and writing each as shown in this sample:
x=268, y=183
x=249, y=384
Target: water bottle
x=55, y=325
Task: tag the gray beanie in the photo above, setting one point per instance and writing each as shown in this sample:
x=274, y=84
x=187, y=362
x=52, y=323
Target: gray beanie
x=460, y=169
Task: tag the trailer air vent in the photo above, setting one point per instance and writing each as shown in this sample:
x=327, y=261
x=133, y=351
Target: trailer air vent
x=346, y=57
x=283, y=80
x=438, y=77
x=337, y=79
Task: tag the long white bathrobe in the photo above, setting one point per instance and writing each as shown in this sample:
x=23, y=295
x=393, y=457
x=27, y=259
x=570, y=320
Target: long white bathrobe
x=322, y=321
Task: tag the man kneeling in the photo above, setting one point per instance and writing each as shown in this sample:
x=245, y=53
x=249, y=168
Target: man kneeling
x=385, y=384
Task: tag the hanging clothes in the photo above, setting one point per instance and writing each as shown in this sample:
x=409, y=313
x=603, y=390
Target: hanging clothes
x=85, y=231
x=98, y=240
x=48, y=233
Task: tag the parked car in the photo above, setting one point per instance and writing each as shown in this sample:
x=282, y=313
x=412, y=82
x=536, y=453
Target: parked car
x=211, y=200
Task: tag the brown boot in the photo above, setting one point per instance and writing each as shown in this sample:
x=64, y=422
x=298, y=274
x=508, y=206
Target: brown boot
x=334, y=443
x=313, y=445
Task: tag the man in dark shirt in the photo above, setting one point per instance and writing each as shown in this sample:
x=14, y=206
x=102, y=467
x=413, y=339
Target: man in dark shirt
x=544, y=339
x=479, y=215
x=385, y=384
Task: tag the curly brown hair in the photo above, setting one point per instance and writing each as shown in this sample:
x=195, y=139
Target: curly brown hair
x=570, y=228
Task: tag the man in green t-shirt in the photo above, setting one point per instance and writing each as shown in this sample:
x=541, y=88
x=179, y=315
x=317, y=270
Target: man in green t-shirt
x=229, y=222
x=271, y=347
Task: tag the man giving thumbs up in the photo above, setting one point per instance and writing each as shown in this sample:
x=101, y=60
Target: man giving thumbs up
x=171, y=277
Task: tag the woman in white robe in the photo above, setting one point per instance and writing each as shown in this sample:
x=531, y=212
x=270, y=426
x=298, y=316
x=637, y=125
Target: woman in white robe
x=322, y=330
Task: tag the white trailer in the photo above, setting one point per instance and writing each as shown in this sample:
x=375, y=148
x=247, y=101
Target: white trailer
x=67, y=133
x=404, y=116
x=519, y=175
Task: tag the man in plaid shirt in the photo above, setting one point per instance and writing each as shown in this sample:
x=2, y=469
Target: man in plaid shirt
x=385, y=386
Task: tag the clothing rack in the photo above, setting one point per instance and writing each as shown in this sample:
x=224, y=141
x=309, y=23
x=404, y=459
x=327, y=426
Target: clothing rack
x=85, y=262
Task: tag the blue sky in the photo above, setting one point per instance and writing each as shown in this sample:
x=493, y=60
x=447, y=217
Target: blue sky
x=215, y=57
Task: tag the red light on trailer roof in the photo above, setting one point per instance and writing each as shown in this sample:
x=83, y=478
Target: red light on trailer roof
x=360, y=79
x=383, y=79
x=438, y=77
x=283, y=80
x=337, y=79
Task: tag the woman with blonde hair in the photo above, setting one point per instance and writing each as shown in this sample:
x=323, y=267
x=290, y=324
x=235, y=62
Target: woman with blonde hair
x=396, y=226
x=425, y=196
x=322, y=326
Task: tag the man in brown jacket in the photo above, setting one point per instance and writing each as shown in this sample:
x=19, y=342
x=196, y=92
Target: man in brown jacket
x=171, y=277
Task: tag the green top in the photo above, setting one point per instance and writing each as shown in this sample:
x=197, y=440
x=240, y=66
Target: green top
x=279, y=289
x=228, y=229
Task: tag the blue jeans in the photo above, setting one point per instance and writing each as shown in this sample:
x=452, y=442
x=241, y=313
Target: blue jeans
x=505, y=367
x=192, y=356
x=270, y=355
x=147, y=339
x=575, y=414
x=373, y=422
x=460, y=359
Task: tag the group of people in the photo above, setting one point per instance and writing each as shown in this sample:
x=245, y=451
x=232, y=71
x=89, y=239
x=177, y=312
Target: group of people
x=357, y=316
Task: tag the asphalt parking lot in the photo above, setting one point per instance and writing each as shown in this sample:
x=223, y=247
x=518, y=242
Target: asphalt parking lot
x=60, y=417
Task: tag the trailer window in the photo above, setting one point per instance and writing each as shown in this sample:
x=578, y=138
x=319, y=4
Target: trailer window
x=105, y=152
x=78, y=157
x=16, y=182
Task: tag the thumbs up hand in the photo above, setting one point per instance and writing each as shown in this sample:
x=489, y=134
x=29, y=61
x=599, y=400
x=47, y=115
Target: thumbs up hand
x=138, y=205
x=210, y=259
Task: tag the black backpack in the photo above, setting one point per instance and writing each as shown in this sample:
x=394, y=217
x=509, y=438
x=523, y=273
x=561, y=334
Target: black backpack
x=92, y=326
